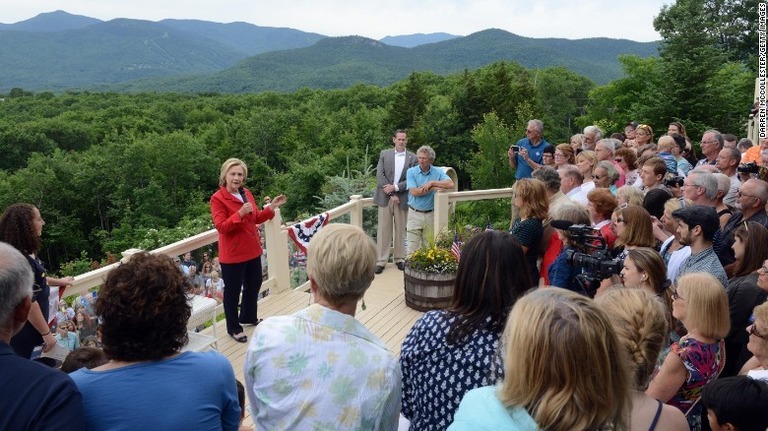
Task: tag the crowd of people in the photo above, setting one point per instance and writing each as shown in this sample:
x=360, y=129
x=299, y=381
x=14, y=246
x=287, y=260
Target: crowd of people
x=629, y=293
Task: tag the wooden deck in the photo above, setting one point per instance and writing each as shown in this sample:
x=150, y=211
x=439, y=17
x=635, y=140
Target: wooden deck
x=386, y=315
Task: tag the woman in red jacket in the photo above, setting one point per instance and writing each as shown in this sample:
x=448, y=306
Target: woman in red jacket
x=235, y=216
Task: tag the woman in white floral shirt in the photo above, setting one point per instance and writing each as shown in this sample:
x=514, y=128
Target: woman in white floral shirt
x=320, y=368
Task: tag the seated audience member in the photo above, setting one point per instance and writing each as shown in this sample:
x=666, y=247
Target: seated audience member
x=560, y=273
x=346, y=378
x=629, y=195
x=736, y=403
x=701, y=305
x=492, y=274
x=601, y=205
x=545, y=385
x=91, y=341
x=750, y=246
x=533, y=208
x=34, y=397
x=641, y=325
x=196, y=280
x=696, y=226
x=83, y=357
x=605, y=176
x=214, y=287
x=757, y=366
x=672, y=251
x=626, y=159
x=67, y=336
x=724, y=212
x=144, y=307
x=84, y=325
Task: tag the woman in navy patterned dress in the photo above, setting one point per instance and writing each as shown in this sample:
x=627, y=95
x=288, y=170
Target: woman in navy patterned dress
x=448, y=352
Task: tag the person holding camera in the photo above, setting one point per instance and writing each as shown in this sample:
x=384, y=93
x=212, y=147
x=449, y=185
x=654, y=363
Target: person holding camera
x=528, y=153
x=561, y=274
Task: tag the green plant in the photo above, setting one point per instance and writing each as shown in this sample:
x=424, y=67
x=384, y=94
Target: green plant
x=435, y=258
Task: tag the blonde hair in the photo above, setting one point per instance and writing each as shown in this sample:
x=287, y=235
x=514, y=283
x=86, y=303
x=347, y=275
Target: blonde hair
x=551, y=336
x=588, y=155
x=666, y=143
x=640, y=321
x=706, y=304
x=340, y=262
x=761, y=314
x=631, y=194
x=229, y=164
x=534, y=195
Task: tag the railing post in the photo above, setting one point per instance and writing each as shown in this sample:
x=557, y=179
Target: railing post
x=442, y=211
x=356, y=214
x=277, y=254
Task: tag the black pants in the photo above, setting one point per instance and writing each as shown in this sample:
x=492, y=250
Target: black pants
x=245, y=275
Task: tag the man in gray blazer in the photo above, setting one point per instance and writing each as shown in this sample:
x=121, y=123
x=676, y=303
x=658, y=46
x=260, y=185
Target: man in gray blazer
x=392, y=199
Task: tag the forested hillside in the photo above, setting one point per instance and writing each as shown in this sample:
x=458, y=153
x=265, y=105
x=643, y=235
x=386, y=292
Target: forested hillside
x=112, y=171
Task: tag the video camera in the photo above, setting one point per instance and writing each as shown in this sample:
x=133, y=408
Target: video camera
x=749, y=168
x=674, y=182
x=595, y=266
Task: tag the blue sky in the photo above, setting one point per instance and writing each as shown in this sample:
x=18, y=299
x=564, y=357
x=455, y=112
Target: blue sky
x=378, y=18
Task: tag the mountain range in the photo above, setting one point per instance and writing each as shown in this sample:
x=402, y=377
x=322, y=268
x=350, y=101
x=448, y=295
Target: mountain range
x=59, y=51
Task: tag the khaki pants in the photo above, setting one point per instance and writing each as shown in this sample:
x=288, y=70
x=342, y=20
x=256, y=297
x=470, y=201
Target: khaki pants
x=384, y=235
x=420, y=229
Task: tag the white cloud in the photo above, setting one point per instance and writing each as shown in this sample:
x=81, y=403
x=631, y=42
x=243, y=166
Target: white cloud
x=379, y=18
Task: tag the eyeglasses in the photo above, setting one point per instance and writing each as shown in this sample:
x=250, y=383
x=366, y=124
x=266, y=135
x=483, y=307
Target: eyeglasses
x=740, y=194
x=753, y=331
x=676, y=296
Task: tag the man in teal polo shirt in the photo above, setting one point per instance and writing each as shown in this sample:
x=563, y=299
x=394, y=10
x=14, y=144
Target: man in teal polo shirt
x=422, y=180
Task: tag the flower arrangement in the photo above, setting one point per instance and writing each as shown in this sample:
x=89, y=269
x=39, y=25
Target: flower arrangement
x=434, y=259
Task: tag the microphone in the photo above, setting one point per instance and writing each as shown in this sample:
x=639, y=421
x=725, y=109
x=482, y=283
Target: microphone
x=560, y=224
x=241, y=190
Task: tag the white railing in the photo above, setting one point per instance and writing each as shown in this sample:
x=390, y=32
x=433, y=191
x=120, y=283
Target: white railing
x=276, y=236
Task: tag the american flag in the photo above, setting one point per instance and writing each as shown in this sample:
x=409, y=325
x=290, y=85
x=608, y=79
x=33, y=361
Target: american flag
x=456, y=246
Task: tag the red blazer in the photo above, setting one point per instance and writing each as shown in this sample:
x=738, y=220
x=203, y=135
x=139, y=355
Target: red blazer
x=238, y=238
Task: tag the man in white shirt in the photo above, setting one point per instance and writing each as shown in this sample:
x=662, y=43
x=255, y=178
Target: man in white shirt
x=571, y=180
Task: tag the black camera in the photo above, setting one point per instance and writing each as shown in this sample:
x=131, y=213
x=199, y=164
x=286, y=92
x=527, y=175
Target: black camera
x=674, y=182
x=749, y=168
x=595, y=266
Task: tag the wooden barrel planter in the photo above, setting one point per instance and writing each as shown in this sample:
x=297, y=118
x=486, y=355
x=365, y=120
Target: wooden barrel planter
x=426, y=291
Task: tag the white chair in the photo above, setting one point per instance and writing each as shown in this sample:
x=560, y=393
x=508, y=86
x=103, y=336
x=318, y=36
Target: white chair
x=203, y=310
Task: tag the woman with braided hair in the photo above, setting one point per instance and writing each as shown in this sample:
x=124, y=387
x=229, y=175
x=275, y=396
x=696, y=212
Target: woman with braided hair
x=640, y=322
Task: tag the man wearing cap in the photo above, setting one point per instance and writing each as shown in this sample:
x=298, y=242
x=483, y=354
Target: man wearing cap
x=35, y=397
x=421, y=181
x=696, y=227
